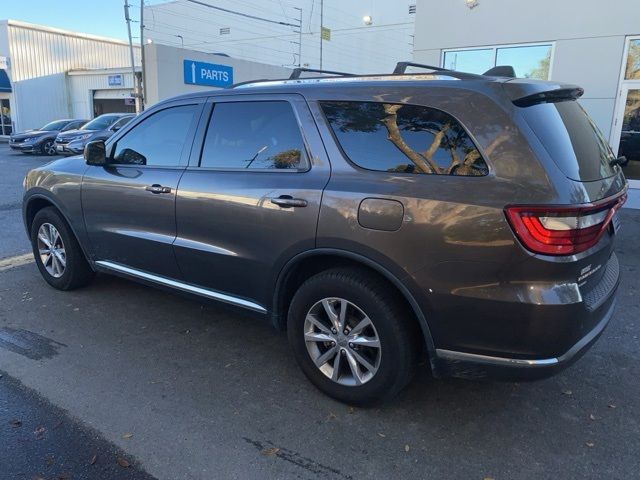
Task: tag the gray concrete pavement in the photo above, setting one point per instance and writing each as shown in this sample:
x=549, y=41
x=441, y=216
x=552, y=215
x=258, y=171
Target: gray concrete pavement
x=211, y=392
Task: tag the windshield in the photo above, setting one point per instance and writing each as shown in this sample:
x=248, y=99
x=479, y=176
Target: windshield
x=121, y=123
x=572, y=139
x=57, y=125
x=101, y=123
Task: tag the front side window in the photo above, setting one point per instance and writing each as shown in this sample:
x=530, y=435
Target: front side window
x=253, y=135
x=158, y=140
x=392, y=137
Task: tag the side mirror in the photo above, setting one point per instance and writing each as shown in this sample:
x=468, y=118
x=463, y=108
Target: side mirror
x=95, y=153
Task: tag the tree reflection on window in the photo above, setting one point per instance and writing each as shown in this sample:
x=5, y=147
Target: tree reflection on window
x=403, y=138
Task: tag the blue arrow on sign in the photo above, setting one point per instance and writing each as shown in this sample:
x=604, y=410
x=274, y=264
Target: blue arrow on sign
x=209, y=74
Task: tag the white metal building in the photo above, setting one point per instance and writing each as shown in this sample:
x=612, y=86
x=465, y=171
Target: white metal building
x=48, y=74
x=591, y=43
x=43, y=65
x=360, y=36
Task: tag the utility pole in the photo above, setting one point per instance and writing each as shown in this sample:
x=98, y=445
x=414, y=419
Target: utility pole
x=299, y=38
x=143, y=80
x=321, y=27
x=136, y=89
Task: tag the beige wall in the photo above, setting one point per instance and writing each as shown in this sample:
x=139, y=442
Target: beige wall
x=589, y=38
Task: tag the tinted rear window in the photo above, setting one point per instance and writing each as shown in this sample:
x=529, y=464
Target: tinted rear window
x=572, y=139
x=391, y=137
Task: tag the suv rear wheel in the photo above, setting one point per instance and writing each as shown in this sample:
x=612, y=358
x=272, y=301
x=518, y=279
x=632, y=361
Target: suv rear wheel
x=352, y=336
x=57, y=252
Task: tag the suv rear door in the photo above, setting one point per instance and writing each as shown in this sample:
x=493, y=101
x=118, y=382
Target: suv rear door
x=250, y=198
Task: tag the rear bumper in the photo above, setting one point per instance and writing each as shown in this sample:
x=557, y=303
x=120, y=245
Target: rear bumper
x=469, y=365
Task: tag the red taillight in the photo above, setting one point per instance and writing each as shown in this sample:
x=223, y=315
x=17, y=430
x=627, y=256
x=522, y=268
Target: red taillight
x=562, y=230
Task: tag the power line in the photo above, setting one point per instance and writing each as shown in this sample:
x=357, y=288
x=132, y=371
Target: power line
x=198, y=2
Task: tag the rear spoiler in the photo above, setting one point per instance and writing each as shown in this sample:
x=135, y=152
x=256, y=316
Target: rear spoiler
x=524, y=93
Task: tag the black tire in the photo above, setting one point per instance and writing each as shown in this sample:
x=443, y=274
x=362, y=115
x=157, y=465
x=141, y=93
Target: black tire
x=395, y=326
x=47, y=148
x=77, y=272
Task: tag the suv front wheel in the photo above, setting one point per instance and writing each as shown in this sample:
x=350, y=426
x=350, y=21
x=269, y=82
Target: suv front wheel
x=57, y=252
x=352, y=336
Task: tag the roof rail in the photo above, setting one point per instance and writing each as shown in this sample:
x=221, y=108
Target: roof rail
x=401, y=67
x=298, y=71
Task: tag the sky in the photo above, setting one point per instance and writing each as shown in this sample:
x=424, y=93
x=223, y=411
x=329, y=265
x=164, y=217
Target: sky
x=98, y=17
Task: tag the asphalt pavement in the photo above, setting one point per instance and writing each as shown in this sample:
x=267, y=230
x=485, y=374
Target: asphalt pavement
x=183, y=389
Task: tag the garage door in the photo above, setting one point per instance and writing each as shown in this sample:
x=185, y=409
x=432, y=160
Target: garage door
x=112, y=94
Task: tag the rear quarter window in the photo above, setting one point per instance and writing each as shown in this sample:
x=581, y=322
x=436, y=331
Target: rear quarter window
x=402, y=138
x=572, y=139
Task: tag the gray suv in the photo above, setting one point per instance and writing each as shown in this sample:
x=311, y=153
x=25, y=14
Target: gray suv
x=463, y=221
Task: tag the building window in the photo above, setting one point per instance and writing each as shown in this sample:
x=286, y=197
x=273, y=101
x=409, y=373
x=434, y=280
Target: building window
x=412, y=9
x=632, y=71
x=528, y=61
x=225, y=30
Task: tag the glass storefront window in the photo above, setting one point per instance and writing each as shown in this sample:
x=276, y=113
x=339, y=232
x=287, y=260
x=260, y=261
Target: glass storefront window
x=471, y=61
x=528, y=61
x=632, y=71
x=5, y=117
x=630, y=135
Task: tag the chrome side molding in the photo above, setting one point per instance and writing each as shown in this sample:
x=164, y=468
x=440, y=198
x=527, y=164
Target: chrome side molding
x=489, y=360
x=185, y=287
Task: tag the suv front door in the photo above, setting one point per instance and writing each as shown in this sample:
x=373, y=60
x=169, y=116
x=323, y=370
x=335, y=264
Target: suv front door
x=250, y=198
x=129, y=204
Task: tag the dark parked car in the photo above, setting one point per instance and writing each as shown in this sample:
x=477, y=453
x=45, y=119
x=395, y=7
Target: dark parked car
x=100, y=128
x=42, y=139
x=461, y=220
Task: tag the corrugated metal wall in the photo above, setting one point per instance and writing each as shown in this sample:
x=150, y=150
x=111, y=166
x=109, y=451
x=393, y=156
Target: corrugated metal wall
x=38, y=52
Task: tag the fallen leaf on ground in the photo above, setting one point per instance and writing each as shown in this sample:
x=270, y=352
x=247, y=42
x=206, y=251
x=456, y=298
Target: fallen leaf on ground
x=592, y=416
x=270, y=451
x=228, y=365
x=590, y=444
x=127, y=435
x=15, y=423
x=92, y=460
x=381, y=435
x=39, y=431
x=123, y=463
x=406, y=448
x=567, y=392
x=331, y=416
x=611, y=405
x=351, y=409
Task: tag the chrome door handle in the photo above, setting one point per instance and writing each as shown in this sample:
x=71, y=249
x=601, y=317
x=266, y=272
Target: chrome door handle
x=287, y=201
x=156, y=188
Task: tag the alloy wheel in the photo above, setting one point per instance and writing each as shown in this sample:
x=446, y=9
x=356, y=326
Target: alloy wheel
x=342, y=341
x=49, y=148
x=51, y=250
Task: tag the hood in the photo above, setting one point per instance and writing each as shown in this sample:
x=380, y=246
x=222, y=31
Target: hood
x=71, y=134
x=31, y=133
